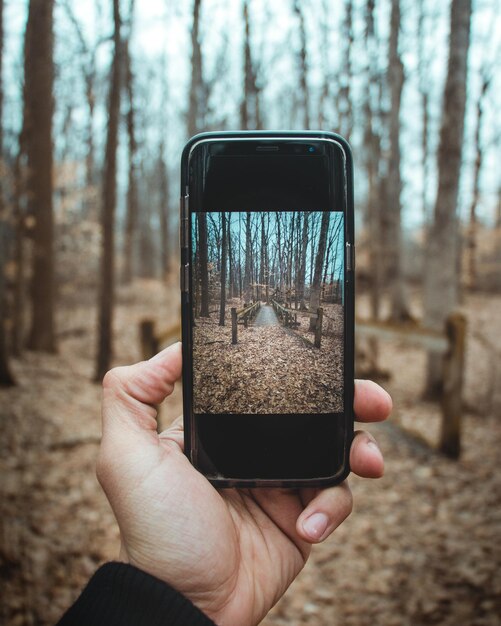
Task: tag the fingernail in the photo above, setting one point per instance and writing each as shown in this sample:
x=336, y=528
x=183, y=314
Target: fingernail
x=316, y=525
x=373, y=446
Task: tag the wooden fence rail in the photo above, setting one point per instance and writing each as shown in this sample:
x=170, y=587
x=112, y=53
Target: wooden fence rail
x=244, y=316
x=289, y=319
x=451, y=344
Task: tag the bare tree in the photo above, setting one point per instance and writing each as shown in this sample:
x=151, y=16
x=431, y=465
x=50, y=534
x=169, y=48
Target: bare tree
x=132, y=199
x=224, y=256
x=423, y=79
x=393, y=247
x=39, y=76
x=6, y=377
x=107, y=274
x=344, y=103
x=471, y=249
x=250, y=111
x=303, y=65
x=441, y=285
x=198, y=91
x=204, y=264
x=163, y=209
x=319, y=262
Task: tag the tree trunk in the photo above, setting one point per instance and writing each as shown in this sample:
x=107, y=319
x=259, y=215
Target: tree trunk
x=231, y=262
x=441, y=287
x=163, y=210
x=6, y=378
x=39, y=73
x=250, y=111
x=248, y=259
x=203, y=264
x=344, y=104
x=319, y=262
x=107, y=274
x=196, y=112
x=303, y=66
x=302, y=265
x=393, y=250
x=222, y=304
x=472, y=229
x=132, y=198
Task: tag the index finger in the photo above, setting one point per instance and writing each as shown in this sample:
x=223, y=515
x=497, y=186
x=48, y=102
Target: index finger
x=372, y=403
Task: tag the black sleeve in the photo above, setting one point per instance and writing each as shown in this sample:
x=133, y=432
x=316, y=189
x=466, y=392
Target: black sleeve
x=122, y=595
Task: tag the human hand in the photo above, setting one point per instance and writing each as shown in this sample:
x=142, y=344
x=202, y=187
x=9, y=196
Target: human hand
x=232, y=552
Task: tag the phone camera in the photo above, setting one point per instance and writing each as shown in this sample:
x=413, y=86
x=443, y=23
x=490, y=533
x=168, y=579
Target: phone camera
x=311, y=149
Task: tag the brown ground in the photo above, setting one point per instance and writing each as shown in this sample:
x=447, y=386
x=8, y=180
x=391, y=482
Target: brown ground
x=422, y=547
x=271, y=369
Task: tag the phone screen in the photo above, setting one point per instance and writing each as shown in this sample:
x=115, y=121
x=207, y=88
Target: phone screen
x=267, y=235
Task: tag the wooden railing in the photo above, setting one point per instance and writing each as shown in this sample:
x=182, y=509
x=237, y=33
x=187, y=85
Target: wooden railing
x=451, y=344
x=243, y=316
x=288, y=318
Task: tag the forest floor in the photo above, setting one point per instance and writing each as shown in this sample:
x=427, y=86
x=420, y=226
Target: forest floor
x=422, y=547
x=271, y=369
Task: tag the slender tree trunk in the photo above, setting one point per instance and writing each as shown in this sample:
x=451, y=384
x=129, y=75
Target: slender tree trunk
x=423, y=69
x=132, y=198
x=204, y=264
x=344, y=104
x=163, y=210
x=224, y=254
x=302, y=266
x=303, y=66
x=248, y=259
x=319, y=262
x=393, y=252
x=250, y=111
x=39, y=72
x=107, y=274
x=6, y=377
x=441, y=287
x=196, y=112
x=472, y=229
x=231, y=262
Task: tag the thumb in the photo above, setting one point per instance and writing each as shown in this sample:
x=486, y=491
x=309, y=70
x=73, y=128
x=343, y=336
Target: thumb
x=130, y=393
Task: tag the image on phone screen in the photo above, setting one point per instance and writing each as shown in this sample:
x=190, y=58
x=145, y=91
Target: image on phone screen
x=268, y=311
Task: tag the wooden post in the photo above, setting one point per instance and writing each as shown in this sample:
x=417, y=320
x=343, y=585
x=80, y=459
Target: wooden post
x=234, y=336
x=318, y=327
x=452, y=386
x=149, y=342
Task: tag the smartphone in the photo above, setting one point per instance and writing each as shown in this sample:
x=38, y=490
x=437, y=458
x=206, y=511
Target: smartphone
x=267, y=290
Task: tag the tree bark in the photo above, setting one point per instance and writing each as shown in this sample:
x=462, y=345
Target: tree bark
x=203, y=264
x=344, y=104
x=6, y=377
x=107, y=274
x=163, y=209
x=319, y=262
x=248, y=259
x=132, y=197
x=196, y=112
x=250, y=111
x=39, y=75
x=303, y=66
x=222, y=304
x=472, y=227
x=441, y=286
x=393, y=250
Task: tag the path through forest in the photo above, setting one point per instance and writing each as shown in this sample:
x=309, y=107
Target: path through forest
x=266, y=316
x=271, y=369
x=422, y=546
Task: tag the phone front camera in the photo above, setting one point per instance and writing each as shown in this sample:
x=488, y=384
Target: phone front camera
x=311, y=149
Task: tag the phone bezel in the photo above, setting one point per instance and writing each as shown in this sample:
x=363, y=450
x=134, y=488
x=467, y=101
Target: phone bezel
x=189, y=430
